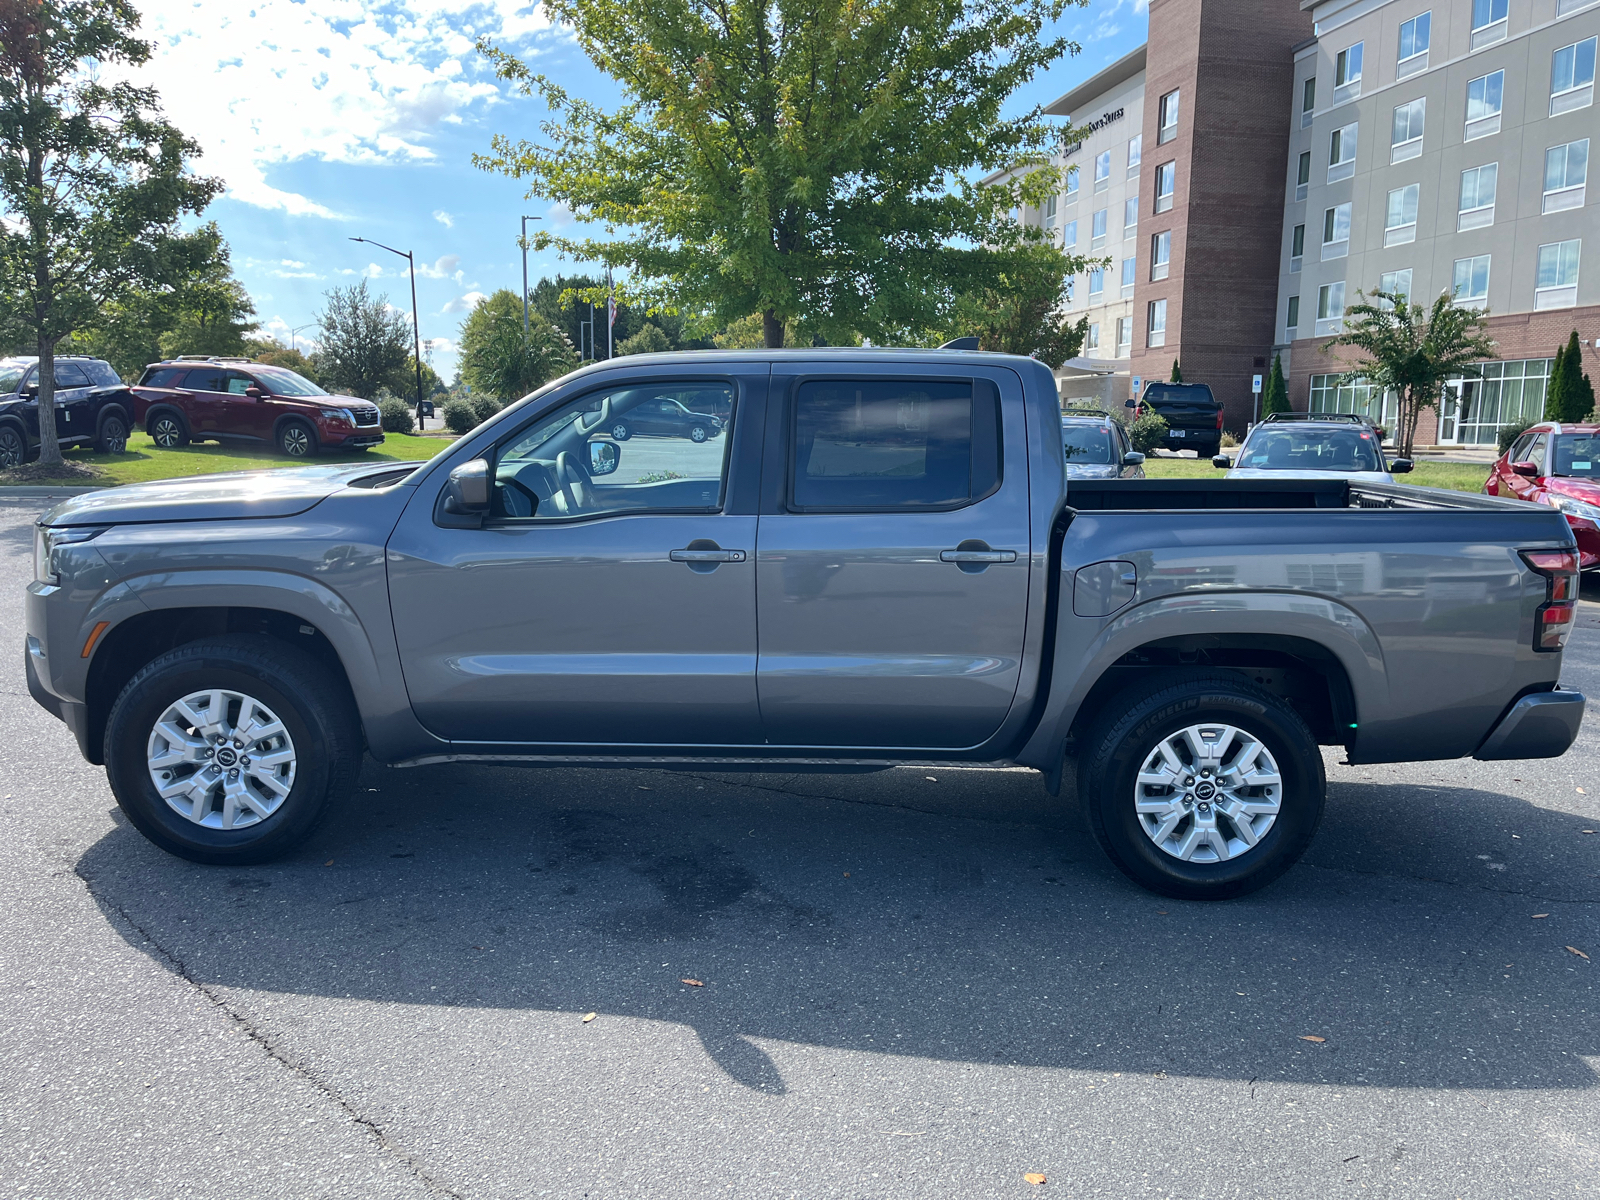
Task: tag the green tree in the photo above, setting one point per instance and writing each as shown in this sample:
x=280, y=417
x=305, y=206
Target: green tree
x=276, y=354
x=1412, y=351
x=805, y=162
x=649, y=340
x=1022, y=313
x=1276, y=398
x=497, y=360
x=366, y=345
x=1177, y=373
x=1569, y=396
x=94, y=181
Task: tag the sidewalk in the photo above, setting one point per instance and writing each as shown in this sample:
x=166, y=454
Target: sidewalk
x=1480, y=456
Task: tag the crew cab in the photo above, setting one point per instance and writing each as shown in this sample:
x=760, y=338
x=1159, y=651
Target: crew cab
x=92, y=406
x=880, y=562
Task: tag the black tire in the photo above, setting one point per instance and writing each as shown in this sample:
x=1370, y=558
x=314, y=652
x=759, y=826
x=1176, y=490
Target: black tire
x=167, y=430
x=621, y=431
x=697, y=433
x=13, y=446
x=313, y=705
x=1115, y=752
x=297, y=439
x=112, y=435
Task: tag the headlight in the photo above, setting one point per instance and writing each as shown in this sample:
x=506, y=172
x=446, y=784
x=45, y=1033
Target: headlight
x=1575, y=508
x=343, y=414
x=47, y=541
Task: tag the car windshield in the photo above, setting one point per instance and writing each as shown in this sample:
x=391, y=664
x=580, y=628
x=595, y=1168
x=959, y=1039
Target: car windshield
x=284, y=382
x=1578, y=455
x=1311, y=448
x=1089, y=444
x=11, y=376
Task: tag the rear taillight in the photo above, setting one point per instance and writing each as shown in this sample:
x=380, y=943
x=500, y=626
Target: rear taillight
x=1219, y=418
x=1553, y=622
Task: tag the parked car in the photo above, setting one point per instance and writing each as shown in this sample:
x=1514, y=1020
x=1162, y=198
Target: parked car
x=1192, y=414
x=234, y=400
x=1310, y=446
x=1558, y=465
x=1097, y=447
x=665, y=415
x=888, y=565
x=93, y=407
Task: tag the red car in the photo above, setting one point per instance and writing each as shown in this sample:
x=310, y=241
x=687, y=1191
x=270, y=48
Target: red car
x=1558, y=465
x=234, y=400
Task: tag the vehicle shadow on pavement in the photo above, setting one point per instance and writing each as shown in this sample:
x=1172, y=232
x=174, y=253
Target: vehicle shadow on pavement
x=952, y=915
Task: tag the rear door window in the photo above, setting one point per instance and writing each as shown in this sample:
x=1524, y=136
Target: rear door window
x=70, y=375
x=881, y=445
x=207, y=379
x=102, y=374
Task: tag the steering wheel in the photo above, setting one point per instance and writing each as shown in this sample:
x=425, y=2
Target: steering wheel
x=516, y=496
x=573, y=482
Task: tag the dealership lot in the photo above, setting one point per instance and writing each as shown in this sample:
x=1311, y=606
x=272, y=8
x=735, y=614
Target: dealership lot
x=913, y=983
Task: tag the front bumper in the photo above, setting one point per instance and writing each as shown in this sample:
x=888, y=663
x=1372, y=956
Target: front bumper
x=74, y=715
x=1541, y=725
x=361, y=438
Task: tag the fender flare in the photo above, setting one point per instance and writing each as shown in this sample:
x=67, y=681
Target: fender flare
x=155, y=410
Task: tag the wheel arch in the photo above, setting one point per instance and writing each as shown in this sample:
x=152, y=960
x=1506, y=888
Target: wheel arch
x=295, y=418
x=165, y=408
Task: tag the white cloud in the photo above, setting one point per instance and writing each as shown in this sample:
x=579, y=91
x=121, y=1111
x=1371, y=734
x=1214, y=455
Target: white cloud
x=348, y=81
x=464, y=303
x=445, y=267
x=444, y=218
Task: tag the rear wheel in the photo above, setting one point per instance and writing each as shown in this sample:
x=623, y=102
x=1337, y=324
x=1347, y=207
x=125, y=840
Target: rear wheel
x=297, y=439
x=1203, y=788
x=230, y=750
x=112, y=437
x=13, y=446
x=168, y=431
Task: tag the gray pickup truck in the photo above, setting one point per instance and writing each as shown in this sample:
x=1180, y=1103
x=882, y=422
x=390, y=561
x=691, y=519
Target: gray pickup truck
x=875, y=559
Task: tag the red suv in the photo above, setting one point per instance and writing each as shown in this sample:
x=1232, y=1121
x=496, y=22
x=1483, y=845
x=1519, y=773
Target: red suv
x=194, y=399
x=1558, y=465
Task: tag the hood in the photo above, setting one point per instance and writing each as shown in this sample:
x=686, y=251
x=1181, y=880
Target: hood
x=284, y=492
x=1269, y=473
x=1587, y=490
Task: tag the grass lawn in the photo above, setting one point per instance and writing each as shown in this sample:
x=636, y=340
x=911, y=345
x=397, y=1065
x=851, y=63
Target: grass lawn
x=1460, y=477
x=144, y=461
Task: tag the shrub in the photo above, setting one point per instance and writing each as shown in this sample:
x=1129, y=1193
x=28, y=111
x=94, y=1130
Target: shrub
x=1507, y=434
x=1146, y=433
x=484, y=406
x=459, y=416
x=1229, y=440
x=396, y=415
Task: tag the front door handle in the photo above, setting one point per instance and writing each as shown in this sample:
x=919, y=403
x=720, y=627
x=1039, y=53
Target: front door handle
x=706, y=556
x=978, y=556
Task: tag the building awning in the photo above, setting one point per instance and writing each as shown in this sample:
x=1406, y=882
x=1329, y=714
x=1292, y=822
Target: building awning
x=1089, y=366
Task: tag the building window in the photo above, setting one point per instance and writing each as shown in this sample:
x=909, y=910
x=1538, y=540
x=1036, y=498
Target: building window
x=1050, y=210
x=1400, y=218
x=1329, y=394
x=1470, y=285
x=1557, y=283
x=1336, y=232
x=1405, y=139
x=1566, y=171
x=1091, y=340
x=1488, y=21
x=1330, y=308
x=1347, y=74
x=1166, y=184
x=1302, y=179
x=1477, y=197
x=1097, y=283
x=1102, y=170
x=1168, y=113
x=1135, y=153
x=1484, y=98
x=1124, y=336
x=1572, y=77
x=1308, y=101
x=1414, y=35
x=1297, y=248
x=1097, y=230
x=1130, y=216
x=1158, y=324
x=1130, y=267
x=1072, y=182
x=1161, y=254
x=1395, y=283
x=1069, y=234
x=1293, y=319
x=1342, y=153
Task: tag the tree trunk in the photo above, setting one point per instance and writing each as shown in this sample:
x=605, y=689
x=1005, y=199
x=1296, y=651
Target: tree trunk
x=49, y=447
x=772, y=330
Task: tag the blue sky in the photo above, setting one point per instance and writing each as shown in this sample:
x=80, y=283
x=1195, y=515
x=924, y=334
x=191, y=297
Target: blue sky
x=333, y=119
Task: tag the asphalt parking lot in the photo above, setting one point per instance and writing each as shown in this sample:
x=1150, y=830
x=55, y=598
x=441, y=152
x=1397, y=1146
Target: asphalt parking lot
x=917, y=983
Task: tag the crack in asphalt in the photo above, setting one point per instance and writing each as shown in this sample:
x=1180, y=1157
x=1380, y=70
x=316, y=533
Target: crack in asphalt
x=219, y=1002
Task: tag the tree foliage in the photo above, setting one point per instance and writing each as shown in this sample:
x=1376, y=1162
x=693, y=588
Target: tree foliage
x=1411, y=351
x=495, y=357
x=366, y=345
x=1275, y=398
x=276, y=354
x=804, y=161
x=93, y=180
x=1177, y=373
x=1021, y=312
x=649, y=340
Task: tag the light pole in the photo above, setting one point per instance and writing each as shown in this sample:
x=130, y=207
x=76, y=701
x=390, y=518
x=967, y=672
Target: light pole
x=298, y=328
x=524, y=244
x=416, y=335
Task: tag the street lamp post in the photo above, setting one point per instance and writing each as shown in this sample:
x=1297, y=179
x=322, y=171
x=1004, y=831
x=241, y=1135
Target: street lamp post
x=524, y=244
x=416, y=335
x=298, y=328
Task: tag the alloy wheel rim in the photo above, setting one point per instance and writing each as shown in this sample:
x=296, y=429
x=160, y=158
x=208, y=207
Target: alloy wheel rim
x=116, y=438
x=697, y=434
x=10, y=449
x=1208, y=793
x=295, y=440
x=619, y=432
x=166, y=433
x=221, y=759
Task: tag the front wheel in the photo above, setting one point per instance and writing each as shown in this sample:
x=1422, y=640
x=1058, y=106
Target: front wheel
x=13, y=446
x=230, y=750
x=621, y=431
x=1204, y=788
x=698, y=433
x=297, y=439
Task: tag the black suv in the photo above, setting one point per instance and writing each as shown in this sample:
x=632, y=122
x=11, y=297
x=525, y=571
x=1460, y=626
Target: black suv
x=1192, y=414
x=666, y=416
x=93, y=407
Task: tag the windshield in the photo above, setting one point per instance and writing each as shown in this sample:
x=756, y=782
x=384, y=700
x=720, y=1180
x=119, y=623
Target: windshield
x=284, y=382
x=1578, y=455
x=1087, y=444
x=1311, y=448
x=11, y=376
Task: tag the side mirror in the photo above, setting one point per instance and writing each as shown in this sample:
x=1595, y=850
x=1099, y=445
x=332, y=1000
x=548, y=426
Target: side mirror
x=1400, y=466
x=604, y=457
x=1130, y=404
x=1221, y=461
x=467, y=492
x=1527, y=470
x=1132, y=459
x=254, y=393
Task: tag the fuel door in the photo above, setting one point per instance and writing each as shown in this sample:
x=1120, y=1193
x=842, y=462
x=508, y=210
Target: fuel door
x=1099, y=589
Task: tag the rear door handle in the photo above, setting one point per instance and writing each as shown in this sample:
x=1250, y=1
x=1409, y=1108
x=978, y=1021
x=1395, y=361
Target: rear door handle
x=706, y=556
x=978, y=556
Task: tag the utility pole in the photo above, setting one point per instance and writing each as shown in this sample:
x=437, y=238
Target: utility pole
x=416, y=335
x=524, y=244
